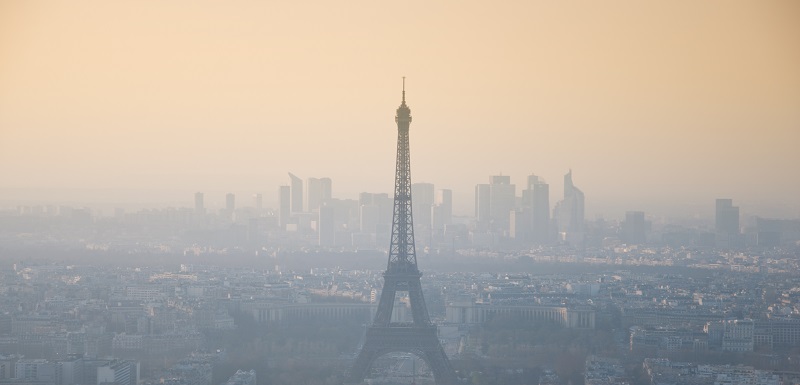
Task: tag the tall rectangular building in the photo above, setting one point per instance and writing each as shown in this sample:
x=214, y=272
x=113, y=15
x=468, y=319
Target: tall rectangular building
x=230, y=207
x=443, y=209
x=258, y=202
x=368, y=218
x=541, y=212
x=727, y=217
x=296, y=193
x=482, y=204
x=318, y=191
x=536, y=198
x=284, y=206
x=199, y=205
x=383, y=206
x=422, y=197
x=326, y=225
x=230, y=202
x=519, y=224
x=634, y=229
x=502, y=200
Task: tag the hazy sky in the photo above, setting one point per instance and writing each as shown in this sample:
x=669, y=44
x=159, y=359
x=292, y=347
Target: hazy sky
x=653, y=105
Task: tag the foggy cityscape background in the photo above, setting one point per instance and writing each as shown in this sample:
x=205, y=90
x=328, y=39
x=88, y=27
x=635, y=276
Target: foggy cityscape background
x=202, y=193
x=657, y=107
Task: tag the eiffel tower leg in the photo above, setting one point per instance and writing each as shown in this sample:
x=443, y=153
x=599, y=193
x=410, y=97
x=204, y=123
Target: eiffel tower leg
x=361, y=366
x=419, y=311
x=443, y=372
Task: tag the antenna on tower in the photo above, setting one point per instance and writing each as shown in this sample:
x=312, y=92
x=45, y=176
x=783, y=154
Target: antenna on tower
x=404, y=90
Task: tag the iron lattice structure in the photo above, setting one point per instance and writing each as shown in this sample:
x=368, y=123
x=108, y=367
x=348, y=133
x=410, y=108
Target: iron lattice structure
x=420, y=336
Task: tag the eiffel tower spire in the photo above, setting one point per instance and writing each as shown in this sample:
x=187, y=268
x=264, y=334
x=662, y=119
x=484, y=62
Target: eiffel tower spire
x=402, y=274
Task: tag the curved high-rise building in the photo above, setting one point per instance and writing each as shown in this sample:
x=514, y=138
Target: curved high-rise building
x=569, y=212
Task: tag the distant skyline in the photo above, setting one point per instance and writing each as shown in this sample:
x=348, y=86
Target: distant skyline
x=658, y=107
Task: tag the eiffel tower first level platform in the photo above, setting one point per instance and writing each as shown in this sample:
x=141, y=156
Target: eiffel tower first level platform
x=420, y=336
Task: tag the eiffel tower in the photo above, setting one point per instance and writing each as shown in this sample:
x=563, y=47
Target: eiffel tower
x=418, y=337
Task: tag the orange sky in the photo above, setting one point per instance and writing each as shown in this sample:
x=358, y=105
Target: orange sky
x=653, y=105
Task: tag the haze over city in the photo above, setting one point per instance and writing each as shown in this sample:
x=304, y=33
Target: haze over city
x=661, y=107
x=450, y=193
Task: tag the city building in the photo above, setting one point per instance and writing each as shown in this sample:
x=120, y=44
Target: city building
x=726, y=223
x=634, y=229
x=569, y=213
x=536, y=204
x=230, y=206
x=326, y=225
x=284, y=206
x=738, y=335
x=199, y=207
x=318, y=191
x=422, y=198
x=374, y=219
x=36, y=370
x=443, y=209
x=502, y=200
x=469, y=312
x=230, y=202
x=296, y=200
x=119, y=372
x=726, y=217
x=482, y=206
x=258, y=202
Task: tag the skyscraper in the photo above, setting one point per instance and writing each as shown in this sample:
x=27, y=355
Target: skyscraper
x=318, y=191
x=634, y=229
x=569, y=212
x=375, y=216
x=541, y=212
x=422, y=197
x=536, y=197
x=482, y=205
x=230, y=207
x=258, y=202
x=326, y=225
x=443, y=209
x=297, y=193
x=199, y=206
x=368, y=218
x=502, y=200
x=284, y=206
x=727, y=217
x=230, y=202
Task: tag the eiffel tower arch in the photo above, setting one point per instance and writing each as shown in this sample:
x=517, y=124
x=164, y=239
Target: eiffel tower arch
x=420, y=336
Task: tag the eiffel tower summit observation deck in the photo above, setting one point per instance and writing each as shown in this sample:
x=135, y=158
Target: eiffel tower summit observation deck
x=418, y=337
